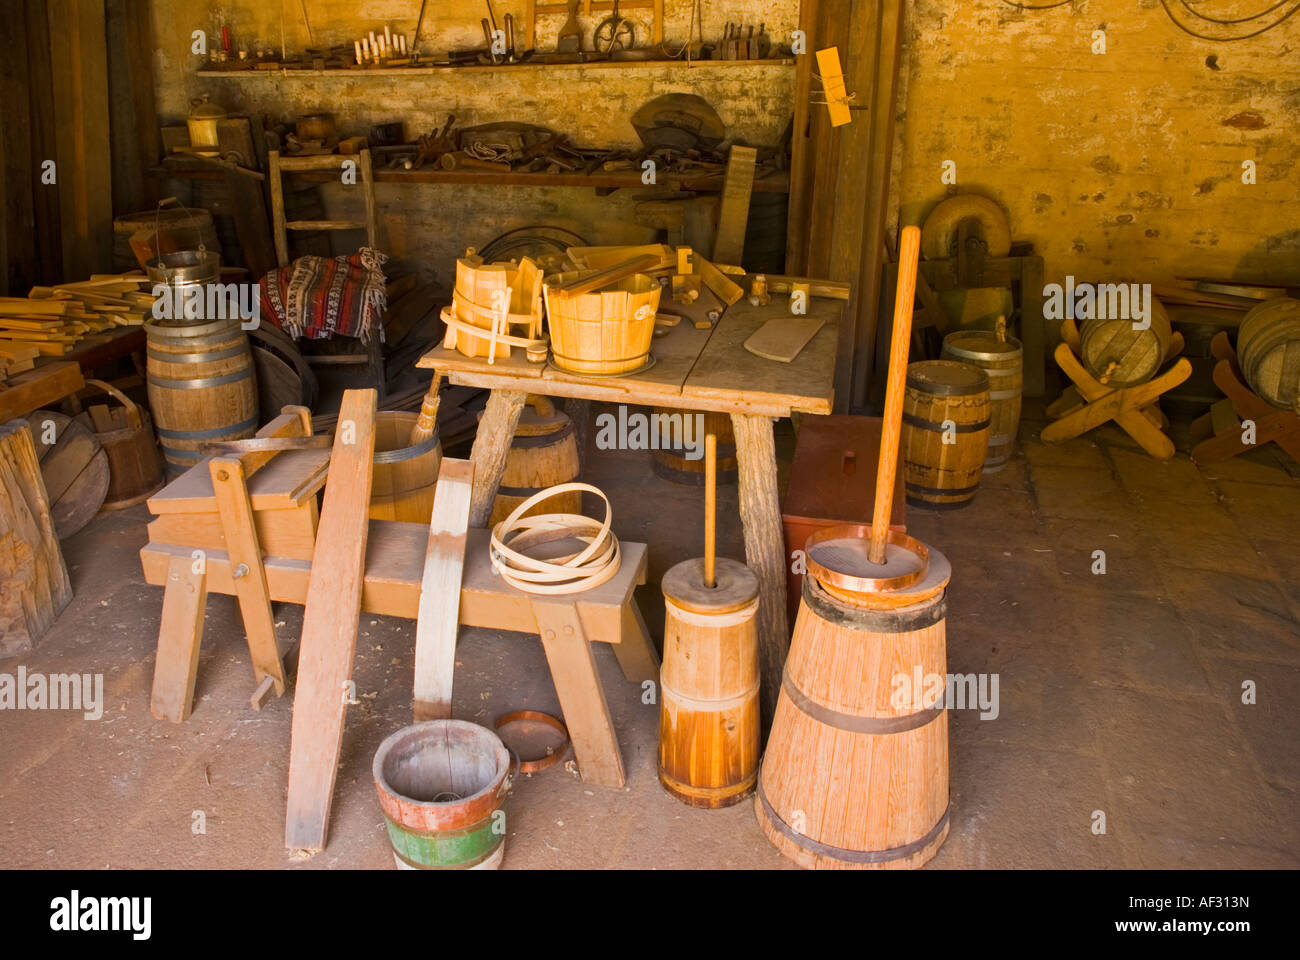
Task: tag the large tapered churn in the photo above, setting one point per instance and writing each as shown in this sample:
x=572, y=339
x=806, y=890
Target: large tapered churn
x=855, y=775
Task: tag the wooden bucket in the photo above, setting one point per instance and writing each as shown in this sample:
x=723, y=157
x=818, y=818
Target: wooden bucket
x=126, y=434
x=442, y=786
x=544, y=453
x=201, y=387
x=708, y=722
x=604, y=333
x=945, y=432
x=480, y=291
x=1002, y=362
x=855, y=775
x=1268, y=351
x=672, y=463
x=405, y=474
x=1136, y=355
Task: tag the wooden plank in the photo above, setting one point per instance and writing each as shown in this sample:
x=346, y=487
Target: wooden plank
x=726, y=371
x=582, y=698
x=783, y=338
x=729, y=245
x=133, y=118
x=726, y=289
x=180, y=634
x=329, y=629
x=78, y=48
x=637, y=656
x=37, y=388
x=48, y=237
x=17, y=211
x=273, y=164
x=236, y=512
x=444, y=562
x=835, y=94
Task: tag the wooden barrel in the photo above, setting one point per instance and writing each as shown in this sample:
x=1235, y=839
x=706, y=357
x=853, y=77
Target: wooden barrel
x=1124, y=357
x=187, y=225
x=708, y=722
x=945, y=432
x=201, y=387
x=405, y=474
x=606, y=333
x=544, y=453
x=126, y=434
x=672, y=461
x=1001, y=359
x=855, y=774
x=442, y=785
x=1268, y=351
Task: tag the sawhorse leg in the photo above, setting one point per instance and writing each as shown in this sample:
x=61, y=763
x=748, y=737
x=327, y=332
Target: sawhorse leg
x=635, y=650
x=582, y=698
x=179, y=636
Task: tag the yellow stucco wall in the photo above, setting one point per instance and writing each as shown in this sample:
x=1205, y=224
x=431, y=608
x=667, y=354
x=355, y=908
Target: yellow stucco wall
x=1123, y=165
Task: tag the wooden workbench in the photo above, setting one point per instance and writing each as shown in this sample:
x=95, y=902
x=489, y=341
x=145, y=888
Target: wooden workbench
x=694, y=370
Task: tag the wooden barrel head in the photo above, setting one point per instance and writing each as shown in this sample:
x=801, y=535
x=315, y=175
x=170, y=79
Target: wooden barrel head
x=1268, y=348
x=947, y=378
x=74, y=467
x=736, y=586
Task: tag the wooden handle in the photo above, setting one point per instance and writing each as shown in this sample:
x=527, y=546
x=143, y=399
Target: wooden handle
x=908, y=255
x=710, y=503
x=427, y=422
x=132, y=411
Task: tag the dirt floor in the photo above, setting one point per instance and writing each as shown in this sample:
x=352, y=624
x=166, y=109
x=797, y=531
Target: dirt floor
x=1120, y=693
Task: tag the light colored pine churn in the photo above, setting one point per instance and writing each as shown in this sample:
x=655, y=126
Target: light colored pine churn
x=709, y=682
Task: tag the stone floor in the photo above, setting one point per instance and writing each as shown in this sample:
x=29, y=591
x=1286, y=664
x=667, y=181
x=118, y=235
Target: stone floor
x=1120, y=693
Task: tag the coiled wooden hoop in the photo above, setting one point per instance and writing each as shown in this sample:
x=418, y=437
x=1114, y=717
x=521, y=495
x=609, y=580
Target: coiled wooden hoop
x=587, y=568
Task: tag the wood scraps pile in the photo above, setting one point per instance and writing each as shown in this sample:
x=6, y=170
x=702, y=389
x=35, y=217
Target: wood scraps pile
x=50, y=321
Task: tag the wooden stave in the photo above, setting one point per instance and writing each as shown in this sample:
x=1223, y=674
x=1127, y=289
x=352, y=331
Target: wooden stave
x=1262, y=350
x=789, y=779
x=926, y=458
x=709, y=736
x=1095, y=347
x=184, y=366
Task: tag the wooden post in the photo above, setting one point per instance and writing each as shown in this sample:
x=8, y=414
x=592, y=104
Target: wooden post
x=760, y=514
x=36, y=585
x=496, y=431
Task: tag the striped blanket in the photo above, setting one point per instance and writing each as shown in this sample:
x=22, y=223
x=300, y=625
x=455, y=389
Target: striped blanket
x=323, y=297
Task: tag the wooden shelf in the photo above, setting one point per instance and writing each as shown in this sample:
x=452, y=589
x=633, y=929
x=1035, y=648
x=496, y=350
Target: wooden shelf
x=778, y=182
x=358, y=73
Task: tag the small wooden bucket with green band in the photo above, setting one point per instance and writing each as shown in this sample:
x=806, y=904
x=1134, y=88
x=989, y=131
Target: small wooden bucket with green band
x=442, y=786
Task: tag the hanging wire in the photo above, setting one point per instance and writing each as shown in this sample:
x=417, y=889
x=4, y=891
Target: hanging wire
x=1245, y=36
x=1254, y=16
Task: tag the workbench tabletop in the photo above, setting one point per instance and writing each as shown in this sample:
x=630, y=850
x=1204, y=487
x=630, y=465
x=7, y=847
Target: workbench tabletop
x=694, y=369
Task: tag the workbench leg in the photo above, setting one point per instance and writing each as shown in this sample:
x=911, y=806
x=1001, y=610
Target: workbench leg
x=760, y=514
x=179, y=636
x=495, y=432
x=582, y=699
x=579, y=412
x=635, y=650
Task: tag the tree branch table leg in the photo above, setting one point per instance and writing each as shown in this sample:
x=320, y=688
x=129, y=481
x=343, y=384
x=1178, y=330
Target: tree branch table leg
x=760, y=513
x=495, y=432
x=579, y=412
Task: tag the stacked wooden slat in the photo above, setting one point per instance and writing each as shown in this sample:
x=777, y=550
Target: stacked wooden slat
x=51, y=321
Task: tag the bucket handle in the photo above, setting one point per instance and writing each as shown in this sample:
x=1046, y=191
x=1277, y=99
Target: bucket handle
x=132, y=411
x=157, y=223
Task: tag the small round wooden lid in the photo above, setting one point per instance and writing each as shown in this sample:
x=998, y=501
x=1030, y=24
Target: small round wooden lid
x=950, y=378
x=736, y=586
